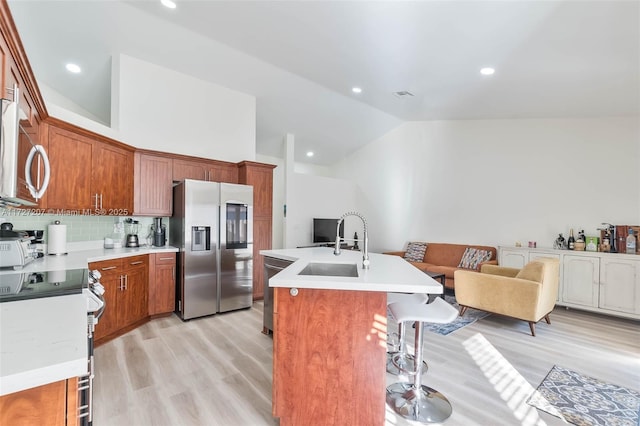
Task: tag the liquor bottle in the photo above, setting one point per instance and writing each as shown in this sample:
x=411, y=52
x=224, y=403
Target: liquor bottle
x=571, y=242
x=631, y=242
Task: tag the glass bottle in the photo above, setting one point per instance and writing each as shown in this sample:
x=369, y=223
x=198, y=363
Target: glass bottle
x=571, y=242
x=631, y=242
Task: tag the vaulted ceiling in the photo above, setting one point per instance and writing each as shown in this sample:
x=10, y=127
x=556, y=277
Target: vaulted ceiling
x=302, y=58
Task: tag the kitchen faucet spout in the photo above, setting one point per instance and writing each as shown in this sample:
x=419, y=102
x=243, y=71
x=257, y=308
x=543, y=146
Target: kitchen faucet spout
x=365, y=238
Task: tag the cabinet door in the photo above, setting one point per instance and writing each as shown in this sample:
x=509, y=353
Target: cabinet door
x=620, y=285
x=112, y=280
x=513, y=258
x=153, y=185
x=132, y=300
x=70, y=159
x=112, y=179
x=42, y=405
x=164, y=283
x=183, y=169
x=581, y=276
x=228, y=174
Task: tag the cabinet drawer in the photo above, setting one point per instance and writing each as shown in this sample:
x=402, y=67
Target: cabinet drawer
x=135, y=261
x=165, y=258
x=107, y=267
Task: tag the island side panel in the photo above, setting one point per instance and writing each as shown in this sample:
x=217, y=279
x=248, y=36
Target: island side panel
x=329, y=357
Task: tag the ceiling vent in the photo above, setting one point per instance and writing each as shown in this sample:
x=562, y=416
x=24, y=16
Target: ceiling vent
x=403, y=94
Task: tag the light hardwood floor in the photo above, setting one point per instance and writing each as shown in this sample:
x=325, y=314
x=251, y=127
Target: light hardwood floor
x=216, y=371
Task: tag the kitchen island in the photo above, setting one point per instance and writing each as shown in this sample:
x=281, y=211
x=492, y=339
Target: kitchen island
x=330, y=334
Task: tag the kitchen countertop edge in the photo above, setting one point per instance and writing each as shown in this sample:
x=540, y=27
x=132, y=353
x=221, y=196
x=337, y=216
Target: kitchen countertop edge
x=385, y=274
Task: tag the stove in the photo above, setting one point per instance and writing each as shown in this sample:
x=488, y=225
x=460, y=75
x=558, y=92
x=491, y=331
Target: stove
x=17, y=285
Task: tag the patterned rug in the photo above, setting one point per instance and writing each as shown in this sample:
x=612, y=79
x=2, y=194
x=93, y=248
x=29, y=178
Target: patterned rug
x=585, y=401
x=470, y=316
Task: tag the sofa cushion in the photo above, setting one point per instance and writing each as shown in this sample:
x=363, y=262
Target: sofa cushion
x=532, y=271
x=415, y=251
x=444, y=254
x=472, y=257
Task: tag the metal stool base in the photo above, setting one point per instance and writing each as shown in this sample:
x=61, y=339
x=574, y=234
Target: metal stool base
x=403, y=365
x=426, y=405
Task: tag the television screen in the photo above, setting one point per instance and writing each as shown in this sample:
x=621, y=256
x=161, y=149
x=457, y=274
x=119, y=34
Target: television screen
x=324, y=230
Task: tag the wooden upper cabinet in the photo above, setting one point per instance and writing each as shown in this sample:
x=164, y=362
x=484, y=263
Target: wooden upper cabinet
x=87, y=174
x=202, y=169
x=185, y=169
x=153, y=185
x=112, y=179
x=70, y=158
x=261, y=177
x=227, y=173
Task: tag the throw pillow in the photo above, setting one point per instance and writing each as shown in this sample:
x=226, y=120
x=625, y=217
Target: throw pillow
x=473, y=257
x=415, y=252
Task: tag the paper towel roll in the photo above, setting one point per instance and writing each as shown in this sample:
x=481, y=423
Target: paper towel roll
x=57, y=236
x=57, y=276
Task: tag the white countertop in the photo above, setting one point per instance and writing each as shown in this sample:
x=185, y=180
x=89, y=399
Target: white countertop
x=42, y=341
x=386, y=273
x=80, y=254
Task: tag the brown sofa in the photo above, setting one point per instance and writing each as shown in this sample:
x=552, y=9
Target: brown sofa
x=445, y=258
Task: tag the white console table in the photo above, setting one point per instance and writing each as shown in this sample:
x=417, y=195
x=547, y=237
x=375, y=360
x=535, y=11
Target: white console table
x=608, y=283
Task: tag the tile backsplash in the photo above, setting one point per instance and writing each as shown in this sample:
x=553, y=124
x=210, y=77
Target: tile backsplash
x=79, y=227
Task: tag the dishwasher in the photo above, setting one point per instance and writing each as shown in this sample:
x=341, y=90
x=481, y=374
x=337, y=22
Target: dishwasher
x=271, y=267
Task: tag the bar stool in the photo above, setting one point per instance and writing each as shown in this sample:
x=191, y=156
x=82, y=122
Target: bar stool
x=415, y=401
x=400, y=363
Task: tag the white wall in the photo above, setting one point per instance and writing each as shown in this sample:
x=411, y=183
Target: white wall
x=496, y=182
x=321, y=197
x=165, y=110
x=160, y=109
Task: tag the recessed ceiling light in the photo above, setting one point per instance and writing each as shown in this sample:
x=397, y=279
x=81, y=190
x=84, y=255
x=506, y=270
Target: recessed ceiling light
x=73, y=68
x=309, y=153
x=487, y=71
x=168, y=3
x=356, y=90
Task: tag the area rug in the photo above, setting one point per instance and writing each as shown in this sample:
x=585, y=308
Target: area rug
x=583, y=400
x=470, y=316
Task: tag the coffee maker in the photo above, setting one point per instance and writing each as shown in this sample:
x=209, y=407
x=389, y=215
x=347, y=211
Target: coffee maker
x=132, y=227
x=159, y=232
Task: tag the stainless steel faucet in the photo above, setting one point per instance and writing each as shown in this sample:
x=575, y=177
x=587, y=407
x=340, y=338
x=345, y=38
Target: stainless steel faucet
x=365, y=239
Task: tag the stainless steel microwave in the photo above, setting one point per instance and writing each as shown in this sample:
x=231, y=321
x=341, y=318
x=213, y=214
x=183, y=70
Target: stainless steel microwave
x=9, y=147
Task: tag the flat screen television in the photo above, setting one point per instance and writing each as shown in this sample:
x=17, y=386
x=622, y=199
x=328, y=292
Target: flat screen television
x=324, y=230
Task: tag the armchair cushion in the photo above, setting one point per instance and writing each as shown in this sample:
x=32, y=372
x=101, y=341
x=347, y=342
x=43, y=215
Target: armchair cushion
x=415, y=251
x=532, y=271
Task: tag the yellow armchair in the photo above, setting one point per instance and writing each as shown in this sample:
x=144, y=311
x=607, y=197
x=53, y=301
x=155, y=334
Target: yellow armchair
x=528, y=294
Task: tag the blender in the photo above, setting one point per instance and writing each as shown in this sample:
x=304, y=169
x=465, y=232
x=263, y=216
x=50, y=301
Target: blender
x=132, y=227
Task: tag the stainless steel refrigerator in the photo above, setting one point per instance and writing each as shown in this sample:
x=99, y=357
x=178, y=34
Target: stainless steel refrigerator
x=212, y=225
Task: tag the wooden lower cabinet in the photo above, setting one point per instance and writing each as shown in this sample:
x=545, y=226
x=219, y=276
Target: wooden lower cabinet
x=162, y=283
x=126, y=282
x=329, y=352
x=53, y=404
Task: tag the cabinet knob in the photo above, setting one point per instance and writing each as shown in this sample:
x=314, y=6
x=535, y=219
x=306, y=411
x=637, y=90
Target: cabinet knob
x=293, y=291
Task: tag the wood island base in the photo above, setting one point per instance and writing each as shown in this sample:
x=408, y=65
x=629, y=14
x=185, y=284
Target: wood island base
x=329, y=357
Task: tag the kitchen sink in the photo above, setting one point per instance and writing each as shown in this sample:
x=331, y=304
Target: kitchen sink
x=331, y=269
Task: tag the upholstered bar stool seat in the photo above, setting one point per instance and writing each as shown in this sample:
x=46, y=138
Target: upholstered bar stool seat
x=400, y=362
x=415, y=401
